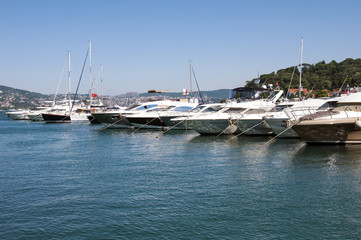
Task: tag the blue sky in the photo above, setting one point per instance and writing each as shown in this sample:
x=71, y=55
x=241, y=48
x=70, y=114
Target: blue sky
x=147, y=44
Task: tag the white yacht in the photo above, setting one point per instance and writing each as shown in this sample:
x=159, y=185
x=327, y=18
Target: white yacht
x=281, y=121
x=341, y=125
x=18, y=114
x=152, y=118
x=116, y=118
x=221, y=120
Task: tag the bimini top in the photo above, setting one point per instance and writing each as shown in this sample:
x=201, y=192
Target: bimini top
x=353, y=98
x=249, y=93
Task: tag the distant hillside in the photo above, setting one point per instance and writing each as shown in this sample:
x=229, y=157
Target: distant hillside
x=318, y=76
x=17, y=98
x=6, y=90
x=12, y=98
x=216, y=94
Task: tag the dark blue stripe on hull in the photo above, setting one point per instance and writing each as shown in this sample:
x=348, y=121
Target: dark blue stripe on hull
x=148, y=121
x=53, y=118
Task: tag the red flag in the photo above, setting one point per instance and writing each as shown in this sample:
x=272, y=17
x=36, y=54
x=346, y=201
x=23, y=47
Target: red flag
x=94, y=95
x=276, y=83
x=345, y=91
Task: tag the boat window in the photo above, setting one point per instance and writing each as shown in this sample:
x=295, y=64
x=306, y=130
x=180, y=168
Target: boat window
x=145, y=107
x=133, y=106
x=213, y=109
x=235, y=110
x=280, y=108
x=182, y=109
x=326, y=105
x=197, y=109
x=256, y=111
x=159, y=109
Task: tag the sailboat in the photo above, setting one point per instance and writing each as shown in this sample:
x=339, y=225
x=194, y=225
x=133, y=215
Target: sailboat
x=77, y=111
x=61, y=115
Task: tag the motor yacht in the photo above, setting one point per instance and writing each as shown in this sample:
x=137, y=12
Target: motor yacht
x=341, y=125
x=224, y=119
x=281, y=121
x=152, y=118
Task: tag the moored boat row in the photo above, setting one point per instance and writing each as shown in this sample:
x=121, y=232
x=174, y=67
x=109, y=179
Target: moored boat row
x=330, y=120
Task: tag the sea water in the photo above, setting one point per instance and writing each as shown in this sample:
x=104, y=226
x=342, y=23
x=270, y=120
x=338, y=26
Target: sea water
x=78, y=181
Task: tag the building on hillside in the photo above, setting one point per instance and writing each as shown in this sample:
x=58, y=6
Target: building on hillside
x=293, y=92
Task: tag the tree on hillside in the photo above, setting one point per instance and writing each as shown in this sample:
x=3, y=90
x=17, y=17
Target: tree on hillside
x=318, y=76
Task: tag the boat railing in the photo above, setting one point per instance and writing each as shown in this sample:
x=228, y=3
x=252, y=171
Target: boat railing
x=300, y=112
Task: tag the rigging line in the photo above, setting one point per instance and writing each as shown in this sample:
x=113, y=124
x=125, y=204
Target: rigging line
x=263, y=82
x=289, y=86
x=310, y=91
x=195, y=78
x=171, y=128
x=145, y=124
x=57, y=89
x=231, y=124
x=81, y=75
x=106, y=127
x=247, y=130
x=297, y=121
x=342, y=85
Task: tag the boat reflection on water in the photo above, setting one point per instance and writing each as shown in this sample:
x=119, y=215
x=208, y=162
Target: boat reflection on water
x=335, y=155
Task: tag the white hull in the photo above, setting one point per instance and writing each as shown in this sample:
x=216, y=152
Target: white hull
x=35, y=117
x=79, y=117
x=212, y=126
x=330, y=131
x=18, y=115
x=253, y=127
x=280, y=126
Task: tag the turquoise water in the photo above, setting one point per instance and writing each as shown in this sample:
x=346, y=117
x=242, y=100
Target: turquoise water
x=74, y=181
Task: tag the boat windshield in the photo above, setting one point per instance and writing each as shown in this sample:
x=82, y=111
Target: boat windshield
x=256, y=111
x=280, y=108
x=182, y=109
x=213, y=108
x=198, y=109
x=328, y=105
x=133, y=106
x=144, y=107
x=235, y=110
x=159, y=109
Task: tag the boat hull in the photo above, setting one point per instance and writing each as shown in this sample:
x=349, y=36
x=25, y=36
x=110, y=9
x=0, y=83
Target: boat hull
x=253, y=127
x=35, y=117
x=56, y=118
x=147, y=122
x=93, y=120
x=212, y=126
x=17, y=116
x=179, y=125
x=280, y=126
x=82, y=117
x=112, y=120
x=331, y=131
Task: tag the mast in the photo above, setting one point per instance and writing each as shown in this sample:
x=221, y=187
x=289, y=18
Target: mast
x=190, y=73
x=101, y=80
x=300, y=87
x=69, y=78
x=90, y=72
